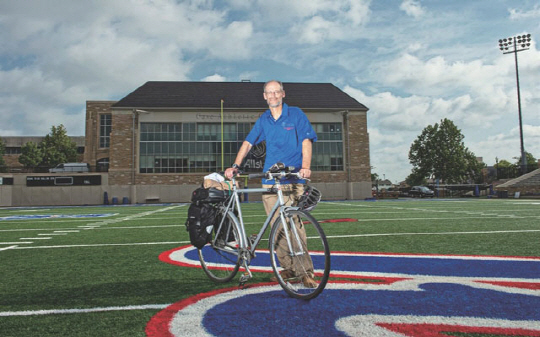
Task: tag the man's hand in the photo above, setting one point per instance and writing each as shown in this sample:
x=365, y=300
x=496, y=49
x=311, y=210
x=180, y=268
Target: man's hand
x=305, y=173
x=230, y=172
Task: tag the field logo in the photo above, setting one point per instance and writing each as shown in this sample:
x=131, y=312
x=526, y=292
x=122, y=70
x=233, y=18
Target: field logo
x=55, y=216
x=462, y=295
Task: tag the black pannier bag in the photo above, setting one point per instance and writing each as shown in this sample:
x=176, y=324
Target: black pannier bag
x=211, y=195
x=200, y=223
x=202, y=214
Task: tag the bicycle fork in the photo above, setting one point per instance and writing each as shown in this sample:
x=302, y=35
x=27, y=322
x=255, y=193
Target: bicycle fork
x=295, y=234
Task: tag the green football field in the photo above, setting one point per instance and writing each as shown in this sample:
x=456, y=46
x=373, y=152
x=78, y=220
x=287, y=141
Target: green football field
x=95, y=271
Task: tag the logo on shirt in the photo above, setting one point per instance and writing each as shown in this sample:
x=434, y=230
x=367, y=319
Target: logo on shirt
x=288, y=126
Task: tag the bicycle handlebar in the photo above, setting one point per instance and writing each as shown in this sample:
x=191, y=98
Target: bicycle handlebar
x=274, y=175
x=277, y=171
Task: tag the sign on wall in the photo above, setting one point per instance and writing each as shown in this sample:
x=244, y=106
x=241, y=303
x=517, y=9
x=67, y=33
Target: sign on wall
x=6, y=181
x=63, y=180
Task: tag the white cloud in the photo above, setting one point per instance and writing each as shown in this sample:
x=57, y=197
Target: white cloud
x=412, y=8
x=101, y=50
x=507, y=145
x=516, y=14
x=341, y=21
x=413, y=113
x=214, y=78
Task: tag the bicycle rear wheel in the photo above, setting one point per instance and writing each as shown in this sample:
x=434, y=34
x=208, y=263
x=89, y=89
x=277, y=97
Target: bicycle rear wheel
x=310, y=255
x=220, y=259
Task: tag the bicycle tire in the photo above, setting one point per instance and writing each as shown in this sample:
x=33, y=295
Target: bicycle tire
x=220, y=259
x=316, y=265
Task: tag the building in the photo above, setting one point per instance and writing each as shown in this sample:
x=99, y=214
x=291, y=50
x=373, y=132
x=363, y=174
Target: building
x=157, y=143
x=169, y=134
x=14, y=146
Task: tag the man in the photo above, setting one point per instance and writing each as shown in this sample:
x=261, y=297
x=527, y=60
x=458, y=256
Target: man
x=289, y=139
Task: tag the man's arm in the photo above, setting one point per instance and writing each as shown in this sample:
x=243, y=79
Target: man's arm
x=242, y=153
x=307, y=149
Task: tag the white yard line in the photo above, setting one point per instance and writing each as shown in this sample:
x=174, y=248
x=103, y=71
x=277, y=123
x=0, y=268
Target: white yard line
x=45, y=236
x=81, y=311
x=328, y=237
x=41, y=238
x=68, y=230
x=434, y=233
x=108, y=244
x=10, y=247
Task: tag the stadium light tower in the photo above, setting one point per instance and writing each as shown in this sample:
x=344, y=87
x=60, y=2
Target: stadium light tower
x=514, y=45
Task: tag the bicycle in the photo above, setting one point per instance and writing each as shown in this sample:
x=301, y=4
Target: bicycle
x=230, y=248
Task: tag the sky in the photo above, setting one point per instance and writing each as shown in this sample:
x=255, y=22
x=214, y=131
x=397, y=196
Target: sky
x=411, y=62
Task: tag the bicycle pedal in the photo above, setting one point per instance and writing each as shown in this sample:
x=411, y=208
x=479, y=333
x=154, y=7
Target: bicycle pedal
x=245, y=276
x=243, y=279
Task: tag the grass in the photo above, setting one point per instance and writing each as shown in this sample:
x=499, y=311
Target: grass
x=103, y=262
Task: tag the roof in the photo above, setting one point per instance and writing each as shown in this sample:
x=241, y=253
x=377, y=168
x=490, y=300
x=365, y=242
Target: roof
x=154, y=94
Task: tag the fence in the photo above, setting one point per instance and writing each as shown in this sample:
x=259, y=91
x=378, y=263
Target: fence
x=45, y=169
x=511, y=172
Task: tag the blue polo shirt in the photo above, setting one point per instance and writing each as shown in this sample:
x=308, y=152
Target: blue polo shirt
x=283, y=137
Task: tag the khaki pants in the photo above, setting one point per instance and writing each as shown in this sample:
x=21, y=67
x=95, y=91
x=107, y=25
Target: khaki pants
x=291, y=192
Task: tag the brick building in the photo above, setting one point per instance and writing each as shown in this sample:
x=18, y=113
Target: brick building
x=166, y=134
x=14, y=146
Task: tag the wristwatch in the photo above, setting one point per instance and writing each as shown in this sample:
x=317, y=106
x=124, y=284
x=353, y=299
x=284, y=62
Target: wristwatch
x=234, y=166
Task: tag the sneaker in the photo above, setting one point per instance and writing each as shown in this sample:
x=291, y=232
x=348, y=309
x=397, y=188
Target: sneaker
x=285, y=275
x=309, y=282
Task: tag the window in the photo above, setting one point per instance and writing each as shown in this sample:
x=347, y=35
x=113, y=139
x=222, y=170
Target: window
x=197, y=147
x=102, y=165
x=189, y=147
x=105, y=126
x=13, y=150
x=328, y=150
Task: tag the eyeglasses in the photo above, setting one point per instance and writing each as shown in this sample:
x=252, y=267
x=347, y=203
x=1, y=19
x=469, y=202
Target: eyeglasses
x=274, y=93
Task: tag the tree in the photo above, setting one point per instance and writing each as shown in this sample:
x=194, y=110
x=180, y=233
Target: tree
x=529, y=159
x=416, y=177
x=506, y=169
x=503, y=163
x=3, y=167
x=439, y=152
x=57, y=147
x=31, y=155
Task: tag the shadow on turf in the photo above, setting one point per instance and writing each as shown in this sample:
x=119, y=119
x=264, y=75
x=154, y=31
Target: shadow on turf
x=107, y=294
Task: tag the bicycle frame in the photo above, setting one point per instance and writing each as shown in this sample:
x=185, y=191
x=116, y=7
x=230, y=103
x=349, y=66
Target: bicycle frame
x=245, y=245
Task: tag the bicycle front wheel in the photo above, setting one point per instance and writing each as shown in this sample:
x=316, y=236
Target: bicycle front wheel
x=220, y=259
x=303, y=271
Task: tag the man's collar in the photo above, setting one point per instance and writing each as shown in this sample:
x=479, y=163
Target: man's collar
x=284, y=112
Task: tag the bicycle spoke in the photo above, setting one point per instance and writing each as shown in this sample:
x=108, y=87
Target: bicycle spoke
x=305, y=269
x=220, y=259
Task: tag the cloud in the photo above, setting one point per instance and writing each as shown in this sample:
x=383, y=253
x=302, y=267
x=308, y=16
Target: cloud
x=339, y=22
x=413, y=113
x=214, y=78
x=516, y=14
x=55, y=60
x=437, y=76
x=507, y=145
x=412, y=8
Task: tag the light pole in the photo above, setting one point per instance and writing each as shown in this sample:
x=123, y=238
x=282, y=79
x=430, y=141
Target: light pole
x=514, y=45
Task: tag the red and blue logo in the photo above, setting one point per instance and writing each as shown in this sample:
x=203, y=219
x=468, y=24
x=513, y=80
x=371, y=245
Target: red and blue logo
x=370, y=294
